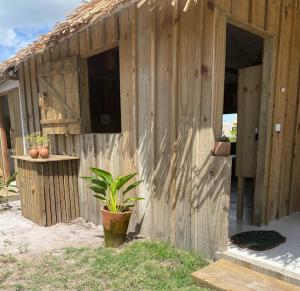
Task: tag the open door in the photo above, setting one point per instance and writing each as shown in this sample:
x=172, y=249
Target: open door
x=249, y=98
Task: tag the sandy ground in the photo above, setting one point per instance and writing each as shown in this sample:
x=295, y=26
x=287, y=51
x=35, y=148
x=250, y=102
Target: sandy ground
x=21, y=237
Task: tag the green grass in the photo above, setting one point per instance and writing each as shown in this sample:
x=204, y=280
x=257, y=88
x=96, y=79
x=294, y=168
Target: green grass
x=140, y=265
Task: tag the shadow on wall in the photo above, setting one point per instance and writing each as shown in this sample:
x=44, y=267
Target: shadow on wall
x=188, y=191
x=186, y=188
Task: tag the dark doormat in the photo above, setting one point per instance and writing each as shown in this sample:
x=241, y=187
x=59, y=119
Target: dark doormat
x=258, y=240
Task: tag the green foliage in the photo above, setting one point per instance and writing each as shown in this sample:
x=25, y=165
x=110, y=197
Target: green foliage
x=8, y=184
x=31, y=139
x=107, y=189
x=224, y=138
x=233, y=132
x=42, y=140
x=37, y=139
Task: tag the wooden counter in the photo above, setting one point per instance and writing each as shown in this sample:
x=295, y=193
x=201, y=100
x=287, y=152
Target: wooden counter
x=48, y=188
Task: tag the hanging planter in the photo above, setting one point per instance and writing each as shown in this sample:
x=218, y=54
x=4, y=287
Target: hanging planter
x=116, y=215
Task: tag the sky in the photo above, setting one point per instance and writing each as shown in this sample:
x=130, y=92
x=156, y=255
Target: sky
x=23, y=21
x=230, y=118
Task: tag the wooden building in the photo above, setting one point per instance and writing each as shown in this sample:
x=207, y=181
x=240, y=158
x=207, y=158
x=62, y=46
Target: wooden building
x=159, y=67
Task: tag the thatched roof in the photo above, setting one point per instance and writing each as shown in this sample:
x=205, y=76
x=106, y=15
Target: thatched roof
x=86, y=14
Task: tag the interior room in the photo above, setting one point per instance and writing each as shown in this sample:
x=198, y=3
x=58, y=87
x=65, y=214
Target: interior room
x=243, y=76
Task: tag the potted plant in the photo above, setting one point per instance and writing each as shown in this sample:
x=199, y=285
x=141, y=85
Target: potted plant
x=222, y=146
x=32, y=145
x=116, y=214
x=43, y=146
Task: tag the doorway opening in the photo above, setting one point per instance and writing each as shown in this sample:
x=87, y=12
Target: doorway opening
x=241, y=117
x=104, y=92
x=6, y=121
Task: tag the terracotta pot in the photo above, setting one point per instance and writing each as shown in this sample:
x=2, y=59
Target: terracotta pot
x=44, y=152
x=33, y=153
x=115, y=227
x=222, y=148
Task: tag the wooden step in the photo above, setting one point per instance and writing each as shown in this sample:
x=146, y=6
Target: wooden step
x=225, y=275
x=261, y=267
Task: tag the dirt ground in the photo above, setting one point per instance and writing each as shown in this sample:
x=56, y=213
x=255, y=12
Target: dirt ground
x=21, y=237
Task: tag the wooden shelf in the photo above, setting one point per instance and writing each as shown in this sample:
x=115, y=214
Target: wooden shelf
x=52, y=158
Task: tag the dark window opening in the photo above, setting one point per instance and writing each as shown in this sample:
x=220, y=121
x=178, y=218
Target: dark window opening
x=104, y=90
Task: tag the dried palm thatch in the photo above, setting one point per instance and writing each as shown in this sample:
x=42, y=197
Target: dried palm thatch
x=86, y=14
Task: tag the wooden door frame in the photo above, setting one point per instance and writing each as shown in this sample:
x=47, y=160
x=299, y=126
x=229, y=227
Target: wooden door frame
x=265, y=120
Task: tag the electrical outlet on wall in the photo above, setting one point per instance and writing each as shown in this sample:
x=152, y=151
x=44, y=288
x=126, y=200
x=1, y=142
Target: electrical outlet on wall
x=277, y=127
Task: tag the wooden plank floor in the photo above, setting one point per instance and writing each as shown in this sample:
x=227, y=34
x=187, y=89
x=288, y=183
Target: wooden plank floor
x=225, y=275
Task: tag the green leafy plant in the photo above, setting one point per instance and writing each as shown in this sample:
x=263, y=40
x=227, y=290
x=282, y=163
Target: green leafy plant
x=107, y=189
x=224, y=138
x=9, y=186
x=37, y=139
x=233, y=132
x=32, y=139
x=42, y=140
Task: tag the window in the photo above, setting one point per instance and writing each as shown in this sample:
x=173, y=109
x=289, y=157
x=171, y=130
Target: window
x=104, y=92
x=229, y=127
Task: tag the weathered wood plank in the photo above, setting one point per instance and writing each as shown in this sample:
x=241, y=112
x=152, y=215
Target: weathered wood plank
x=47, y=194
x=238, y=278
x=273, y=16
x=34, y=93
x=240, y=10
x=218, y=72
x=145, y=142
x=127, y=50
x=290, y=118
x=280, y=106
x=72, y=191
x=265, y=131
x=61, y=193
x=258, y=13
x=75, y=185
x=163, y=106
x=28, y=98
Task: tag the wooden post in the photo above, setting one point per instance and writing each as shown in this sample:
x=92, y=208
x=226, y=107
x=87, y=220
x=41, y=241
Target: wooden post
x=4, y=148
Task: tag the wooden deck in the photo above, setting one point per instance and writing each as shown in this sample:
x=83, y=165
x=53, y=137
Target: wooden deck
x=225, y=275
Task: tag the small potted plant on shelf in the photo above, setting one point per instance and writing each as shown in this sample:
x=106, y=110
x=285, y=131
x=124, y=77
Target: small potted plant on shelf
x=116, y=214
x=32, y=145
x=222, y=147
x=43, y=146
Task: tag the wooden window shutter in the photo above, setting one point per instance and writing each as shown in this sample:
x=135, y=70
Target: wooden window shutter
x=59, y=96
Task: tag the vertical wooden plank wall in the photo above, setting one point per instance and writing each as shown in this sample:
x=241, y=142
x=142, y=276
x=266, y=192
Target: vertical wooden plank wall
x=281, y=19
x=171, y=100
x=294, y=203
x=185, y=184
